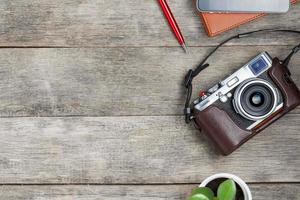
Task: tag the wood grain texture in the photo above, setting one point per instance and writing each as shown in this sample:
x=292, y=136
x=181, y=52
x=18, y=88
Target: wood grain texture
x=130, y=192
x=139, y=150
x=128, y=67
x=73, y=23
x=112, y=81
x=127, y=73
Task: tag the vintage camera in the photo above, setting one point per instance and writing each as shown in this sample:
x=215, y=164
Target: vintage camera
x=246, y=102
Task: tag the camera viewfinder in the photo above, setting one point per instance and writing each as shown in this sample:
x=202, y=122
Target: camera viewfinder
x=258, y=66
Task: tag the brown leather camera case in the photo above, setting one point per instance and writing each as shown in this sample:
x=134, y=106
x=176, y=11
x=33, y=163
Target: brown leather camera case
x=226, y=134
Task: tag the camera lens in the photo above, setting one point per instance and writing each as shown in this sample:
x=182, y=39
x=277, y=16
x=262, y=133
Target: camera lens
x=255, y=99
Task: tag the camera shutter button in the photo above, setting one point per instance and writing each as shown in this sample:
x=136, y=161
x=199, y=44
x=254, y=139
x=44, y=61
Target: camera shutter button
x=202, y=95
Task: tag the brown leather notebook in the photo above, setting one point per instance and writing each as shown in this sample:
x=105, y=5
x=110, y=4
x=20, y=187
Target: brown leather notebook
x=216, y=23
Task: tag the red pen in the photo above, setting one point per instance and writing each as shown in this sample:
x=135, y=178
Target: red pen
x=167, y=11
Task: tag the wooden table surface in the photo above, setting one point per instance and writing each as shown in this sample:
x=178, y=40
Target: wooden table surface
x=91, y=103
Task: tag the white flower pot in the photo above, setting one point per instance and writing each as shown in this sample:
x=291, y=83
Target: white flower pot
x=239, y=181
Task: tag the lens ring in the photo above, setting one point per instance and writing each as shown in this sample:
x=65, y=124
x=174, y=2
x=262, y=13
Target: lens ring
x=264, y=96
x=259, y=88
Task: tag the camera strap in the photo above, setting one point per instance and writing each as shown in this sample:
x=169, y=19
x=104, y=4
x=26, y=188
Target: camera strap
x=192, y=73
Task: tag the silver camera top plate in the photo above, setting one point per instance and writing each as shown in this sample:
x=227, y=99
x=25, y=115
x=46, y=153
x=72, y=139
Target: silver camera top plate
x=251, y=70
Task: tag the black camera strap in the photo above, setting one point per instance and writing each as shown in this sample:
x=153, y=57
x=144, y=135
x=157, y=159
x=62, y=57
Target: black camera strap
x=192, y=73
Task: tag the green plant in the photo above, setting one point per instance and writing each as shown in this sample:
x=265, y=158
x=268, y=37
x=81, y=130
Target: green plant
x=226, y=191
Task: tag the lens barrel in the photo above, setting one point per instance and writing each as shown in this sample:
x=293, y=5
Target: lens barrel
x=255, y=99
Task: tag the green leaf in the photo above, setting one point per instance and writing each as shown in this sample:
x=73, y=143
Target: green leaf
x=199, y=197
x=227, y=190
x=205, y=191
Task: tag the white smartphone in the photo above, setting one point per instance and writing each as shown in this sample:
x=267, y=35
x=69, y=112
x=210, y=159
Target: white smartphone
x=244, y=6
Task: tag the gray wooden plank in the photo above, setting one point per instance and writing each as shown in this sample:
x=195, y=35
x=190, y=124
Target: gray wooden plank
x=111, y=81
x=124, y=150
x=72, y=23
x=276, y=191
x=135, y=192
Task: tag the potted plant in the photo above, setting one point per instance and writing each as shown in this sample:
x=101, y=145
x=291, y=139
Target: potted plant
x=222, y=187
